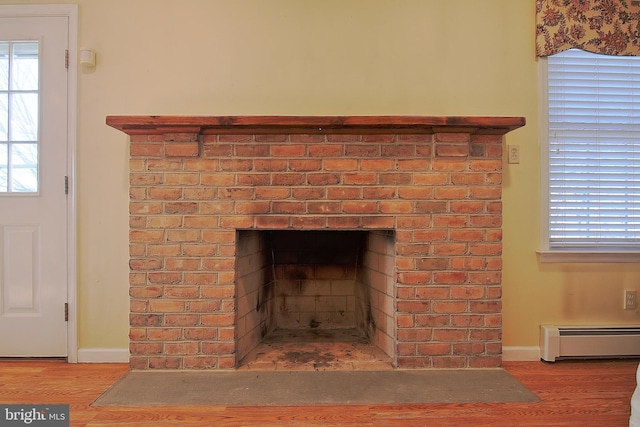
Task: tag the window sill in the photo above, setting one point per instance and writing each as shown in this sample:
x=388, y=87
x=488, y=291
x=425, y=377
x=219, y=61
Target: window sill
x=549, y=256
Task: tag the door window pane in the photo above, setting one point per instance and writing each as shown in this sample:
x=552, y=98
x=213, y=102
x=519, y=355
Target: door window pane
x=4, y=164
x=4, y=117
x=4, y=86
x=24, y=117
x=4, y=65
x=24, y=168
x=24, y=66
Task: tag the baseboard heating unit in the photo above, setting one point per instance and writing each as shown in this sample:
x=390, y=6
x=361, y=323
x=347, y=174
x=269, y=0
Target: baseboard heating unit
x=567, y=342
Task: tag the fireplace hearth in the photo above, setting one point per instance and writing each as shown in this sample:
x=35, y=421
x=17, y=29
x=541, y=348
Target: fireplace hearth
x=384, y=228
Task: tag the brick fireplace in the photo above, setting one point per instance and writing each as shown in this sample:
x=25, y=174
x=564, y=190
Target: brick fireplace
x=389, y=226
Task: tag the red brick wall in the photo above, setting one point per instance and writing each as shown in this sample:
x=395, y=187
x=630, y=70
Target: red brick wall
x=441, y=193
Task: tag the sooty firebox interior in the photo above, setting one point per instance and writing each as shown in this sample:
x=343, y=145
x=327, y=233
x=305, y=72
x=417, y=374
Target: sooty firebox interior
x=317, y=286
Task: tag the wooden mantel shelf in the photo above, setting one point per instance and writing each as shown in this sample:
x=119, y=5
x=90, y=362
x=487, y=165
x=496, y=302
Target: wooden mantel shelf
x=148, y=125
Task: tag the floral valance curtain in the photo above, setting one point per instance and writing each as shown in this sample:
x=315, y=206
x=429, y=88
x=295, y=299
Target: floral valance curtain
x=610, y=27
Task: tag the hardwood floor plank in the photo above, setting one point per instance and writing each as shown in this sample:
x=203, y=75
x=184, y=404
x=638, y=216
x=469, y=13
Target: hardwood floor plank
x=581, y=393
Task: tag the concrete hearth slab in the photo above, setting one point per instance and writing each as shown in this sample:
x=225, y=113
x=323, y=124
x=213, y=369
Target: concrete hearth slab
x=248, y=388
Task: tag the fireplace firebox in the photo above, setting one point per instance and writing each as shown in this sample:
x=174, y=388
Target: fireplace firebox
x=315, y=281
x=388, y=227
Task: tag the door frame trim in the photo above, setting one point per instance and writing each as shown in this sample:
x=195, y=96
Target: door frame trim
x=69, y=11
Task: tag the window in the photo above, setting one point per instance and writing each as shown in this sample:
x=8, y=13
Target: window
x=593, y=153
x=19, y=100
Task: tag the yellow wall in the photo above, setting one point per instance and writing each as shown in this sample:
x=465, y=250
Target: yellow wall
x=319, y=57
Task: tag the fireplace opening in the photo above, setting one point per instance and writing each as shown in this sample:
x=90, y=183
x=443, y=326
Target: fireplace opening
x=316, y=297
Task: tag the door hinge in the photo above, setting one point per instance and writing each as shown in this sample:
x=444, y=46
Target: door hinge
x=66, y=59
x=66, y=185
x=66, y=311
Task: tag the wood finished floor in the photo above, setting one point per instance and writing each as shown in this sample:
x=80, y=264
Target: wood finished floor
x=586, y=393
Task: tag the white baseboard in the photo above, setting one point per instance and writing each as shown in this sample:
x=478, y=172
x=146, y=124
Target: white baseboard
x=520, y=354
x=103, y=355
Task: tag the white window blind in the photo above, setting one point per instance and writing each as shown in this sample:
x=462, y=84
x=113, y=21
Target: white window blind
x=594, y=151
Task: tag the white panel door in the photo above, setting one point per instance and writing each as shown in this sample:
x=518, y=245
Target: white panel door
x=33, y=205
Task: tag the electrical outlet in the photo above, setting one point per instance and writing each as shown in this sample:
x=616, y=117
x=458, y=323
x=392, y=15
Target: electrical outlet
x=629, y=300
x=514, y=154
